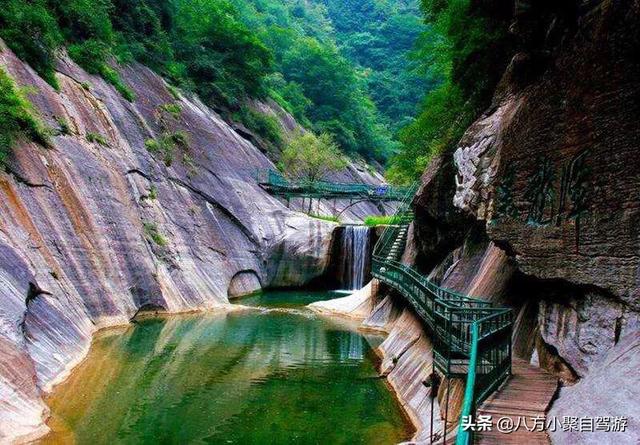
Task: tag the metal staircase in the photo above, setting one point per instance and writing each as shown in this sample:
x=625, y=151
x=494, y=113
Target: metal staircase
x=471, y=337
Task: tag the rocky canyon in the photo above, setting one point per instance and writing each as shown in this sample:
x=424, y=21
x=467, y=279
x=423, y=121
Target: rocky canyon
x=536, y=208
x=97, y=228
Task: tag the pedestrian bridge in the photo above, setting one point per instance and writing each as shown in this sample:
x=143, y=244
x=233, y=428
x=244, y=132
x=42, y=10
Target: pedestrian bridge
x=471, y=337
x=276, y=184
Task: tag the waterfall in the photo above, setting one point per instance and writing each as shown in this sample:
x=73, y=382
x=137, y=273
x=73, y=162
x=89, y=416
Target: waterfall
x=355, y=253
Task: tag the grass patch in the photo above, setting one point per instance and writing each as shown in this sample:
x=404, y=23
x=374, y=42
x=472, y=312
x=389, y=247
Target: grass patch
x=152, y=233
x=190, y=165
x=174, y=92
x=373, y=221
x=166, y=145
x=173, y=109
x=153, y=193
x=97, y=138
x=17, y=117
x=63, y=126
x=329, y=218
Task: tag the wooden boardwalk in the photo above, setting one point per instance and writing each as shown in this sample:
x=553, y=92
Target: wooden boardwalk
x=526, y=395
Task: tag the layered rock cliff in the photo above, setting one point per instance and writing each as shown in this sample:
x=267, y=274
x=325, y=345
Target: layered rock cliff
x=104, y=224
x=549, y=179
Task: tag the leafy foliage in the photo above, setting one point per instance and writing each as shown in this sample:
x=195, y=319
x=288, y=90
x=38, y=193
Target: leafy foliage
x=379, y=36
x=310, y=157
x=93, y=55
x=467, y=48
x=17, y=118
x=31, y=31
x=313, y=79
x=265, y=125
x=152, y=233
x=217, y=52
x=153, y=192
x=97, y=138
x=63, y=126
x=172, y=108
x=331, y=63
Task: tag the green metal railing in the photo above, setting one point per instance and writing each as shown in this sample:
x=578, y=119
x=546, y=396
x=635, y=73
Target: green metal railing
x=471, y=337
x=277, y=184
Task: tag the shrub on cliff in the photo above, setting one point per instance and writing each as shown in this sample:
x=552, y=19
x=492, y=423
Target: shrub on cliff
x=152, y=233
x=93, y=56
x=265, y=125
x=166, y=144
x=17, y=117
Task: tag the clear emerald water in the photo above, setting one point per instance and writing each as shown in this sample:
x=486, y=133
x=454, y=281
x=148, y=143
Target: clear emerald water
x=279, y=375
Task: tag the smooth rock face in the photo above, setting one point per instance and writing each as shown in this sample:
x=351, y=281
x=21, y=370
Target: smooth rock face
x=243, y=283
x=91, y=233
x=580, y=329
x=589, y=398
x=358, y=305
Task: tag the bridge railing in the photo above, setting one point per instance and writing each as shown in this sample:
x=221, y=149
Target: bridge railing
x=489, y=366
x=278, y=184
x=471, y=337
x=449, y=314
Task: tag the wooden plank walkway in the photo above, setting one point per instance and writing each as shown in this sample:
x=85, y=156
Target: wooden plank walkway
x=526, y=395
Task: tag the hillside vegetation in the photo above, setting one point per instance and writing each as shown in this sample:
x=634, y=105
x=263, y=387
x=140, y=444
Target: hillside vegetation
x=350, y=69
x=465, y=49
x=379, y=37
x=227, y=52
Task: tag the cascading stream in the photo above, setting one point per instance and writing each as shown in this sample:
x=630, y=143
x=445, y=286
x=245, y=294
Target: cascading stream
x=355, y=256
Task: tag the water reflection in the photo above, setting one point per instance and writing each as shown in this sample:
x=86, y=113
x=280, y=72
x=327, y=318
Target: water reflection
x=249, y=377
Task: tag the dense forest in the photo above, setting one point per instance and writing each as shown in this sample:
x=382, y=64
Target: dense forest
x=388, y=80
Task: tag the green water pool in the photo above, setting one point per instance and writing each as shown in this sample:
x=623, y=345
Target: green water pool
x=278, y=375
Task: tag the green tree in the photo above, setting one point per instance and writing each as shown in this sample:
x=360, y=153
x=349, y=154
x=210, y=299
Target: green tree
x=224, y=59
x=32, y=32
x=378, y=36
x=310, y=157
x=228, y=52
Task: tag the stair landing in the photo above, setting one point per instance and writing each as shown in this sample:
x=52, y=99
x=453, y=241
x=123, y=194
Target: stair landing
x=526, y=395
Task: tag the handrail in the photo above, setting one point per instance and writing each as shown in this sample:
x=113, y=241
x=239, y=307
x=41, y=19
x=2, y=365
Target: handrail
x=465, y=436
x=471, y=336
